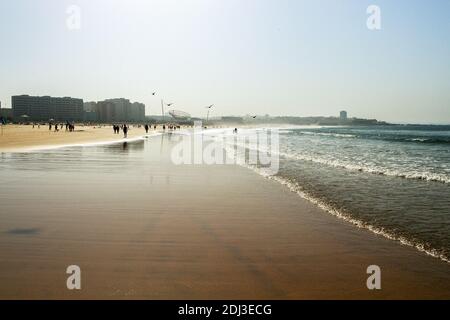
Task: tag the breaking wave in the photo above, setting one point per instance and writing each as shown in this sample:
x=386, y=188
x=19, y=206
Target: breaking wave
x=416, y=175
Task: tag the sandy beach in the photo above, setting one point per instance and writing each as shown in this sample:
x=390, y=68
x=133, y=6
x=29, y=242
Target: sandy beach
x=140, y=227
x=24, y=137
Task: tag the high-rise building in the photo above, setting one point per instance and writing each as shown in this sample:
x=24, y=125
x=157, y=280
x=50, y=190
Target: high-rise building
x=90, y=112
x=47, y=108
x=137, y=112
x=120, y=110
x=343, y=115
x=90, y=106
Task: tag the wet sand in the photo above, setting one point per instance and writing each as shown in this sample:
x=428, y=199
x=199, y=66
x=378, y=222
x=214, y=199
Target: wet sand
x=162, y=231
x=23, y=137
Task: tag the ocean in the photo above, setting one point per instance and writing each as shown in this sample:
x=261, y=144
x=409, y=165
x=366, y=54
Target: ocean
x=393, y=180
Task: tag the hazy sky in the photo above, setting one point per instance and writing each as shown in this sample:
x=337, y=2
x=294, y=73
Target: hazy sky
x=246, y=56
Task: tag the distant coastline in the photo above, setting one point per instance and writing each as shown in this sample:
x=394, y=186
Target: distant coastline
x=323, y=121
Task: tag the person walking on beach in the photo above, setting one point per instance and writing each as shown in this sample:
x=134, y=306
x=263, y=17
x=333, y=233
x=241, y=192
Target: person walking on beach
x=125, y=131
x=146, y=128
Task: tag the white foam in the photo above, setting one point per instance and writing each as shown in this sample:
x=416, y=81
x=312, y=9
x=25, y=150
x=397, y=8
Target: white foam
x=416, y=175
x=338, y=135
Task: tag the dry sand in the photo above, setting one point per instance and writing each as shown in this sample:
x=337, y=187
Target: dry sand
x=22, y=137
x=197, y=232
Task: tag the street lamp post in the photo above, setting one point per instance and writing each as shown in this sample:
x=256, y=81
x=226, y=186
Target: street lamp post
x=162, y=109
x=207, y=114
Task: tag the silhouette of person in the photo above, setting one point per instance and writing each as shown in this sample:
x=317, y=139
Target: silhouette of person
x=125, y=131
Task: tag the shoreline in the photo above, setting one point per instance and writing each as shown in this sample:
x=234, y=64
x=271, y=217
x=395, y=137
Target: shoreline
x=294, y=188
x=88, y=143
x=197, y=232
x=24, y=138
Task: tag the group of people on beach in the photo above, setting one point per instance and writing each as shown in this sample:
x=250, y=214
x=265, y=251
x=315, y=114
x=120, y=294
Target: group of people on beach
x=173, y=127
x=124, y=128
x=69, y=126
x=147, y=127
x=116, y=127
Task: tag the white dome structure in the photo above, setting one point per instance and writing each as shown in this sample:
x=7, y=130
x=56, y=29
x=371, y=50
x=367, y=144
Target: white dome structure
x=180, y=115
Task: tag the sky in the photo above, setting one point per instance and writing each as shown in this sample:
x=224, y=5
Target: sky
x=276, y=57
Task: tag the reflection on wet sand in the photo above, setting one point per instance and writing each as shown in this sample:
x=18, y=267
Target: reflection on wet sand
x=141, y=227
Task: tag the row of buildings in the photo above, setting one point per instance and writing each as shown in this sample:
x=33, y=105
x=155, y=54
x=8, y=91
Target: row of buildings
x=114, y=110
x=27, y=108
